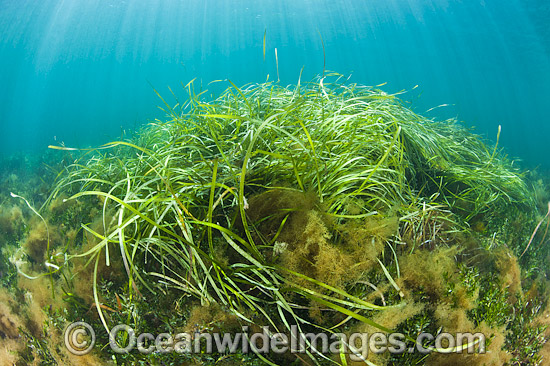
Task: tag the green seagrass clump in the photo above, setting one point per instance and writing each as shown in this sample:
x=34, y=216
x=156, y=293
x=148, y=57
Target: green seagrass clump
x=280, y=204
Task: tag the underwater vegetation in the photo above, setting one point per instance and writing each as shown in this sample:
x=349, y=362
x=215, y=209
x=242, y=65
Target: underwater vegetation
x=327, y=206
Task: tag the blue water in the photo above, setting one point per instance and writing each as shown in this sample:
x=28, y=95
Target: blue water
x=81, y=71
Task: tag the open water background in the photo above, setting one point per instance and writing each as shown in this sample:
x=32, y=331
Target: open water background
x=81, y=71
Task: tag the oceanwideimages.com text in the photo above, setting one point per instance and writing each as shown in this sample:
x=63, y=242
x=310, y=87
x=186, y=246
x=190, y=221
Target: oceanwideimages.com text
x=80, y=339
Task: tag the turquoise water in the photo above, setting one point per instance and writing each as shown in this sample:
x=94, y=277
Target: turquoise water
x=81, y=72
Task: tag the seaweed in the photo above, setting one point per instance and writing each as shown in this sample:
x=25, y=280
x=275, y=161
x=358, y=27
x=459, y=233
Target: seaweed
x=326, y=205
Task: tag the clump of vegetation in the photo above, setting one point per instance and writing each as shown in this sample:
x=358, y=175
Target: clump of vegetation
x=329, y=206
